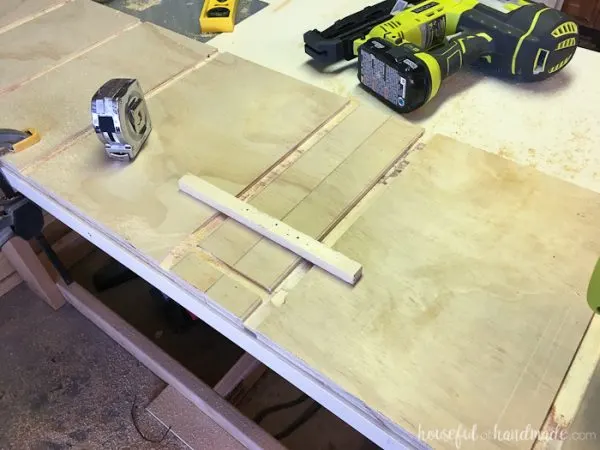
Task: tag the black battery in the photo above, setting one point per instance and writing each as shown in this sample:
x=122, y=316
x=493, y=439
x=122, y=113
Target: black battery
x=393, y=74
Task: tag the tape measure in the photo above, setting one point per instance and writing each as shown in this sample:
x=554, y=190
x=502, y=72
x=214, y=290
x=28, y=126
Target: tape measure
x=218, y=16
x=120, y=118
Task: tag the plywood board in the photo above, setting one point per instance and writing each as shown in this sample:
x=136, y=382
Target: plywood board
x=58, y=103
x=267, y=264
x=232, y=241
x=275, y=230
x=238, y=301
x=313, y=194
x=194, y=428
x=206, y=123
x=472, y=302
x=13, y=12
x=35, y=46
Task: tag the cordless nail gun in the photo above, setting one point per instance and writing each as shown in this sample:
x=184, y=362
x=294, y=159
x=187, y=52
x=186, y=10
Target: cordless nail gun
x=404, y=57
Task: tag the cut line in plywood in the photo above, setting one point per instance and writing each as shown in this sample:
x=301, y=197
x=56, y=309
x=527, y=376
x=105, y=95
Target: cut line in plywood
x=14, y=13
x=273, y=176
x=318, y=210
x=333, y=262
x=146, y=52
x=34, y=47
x=230, y=137
x=492, y=256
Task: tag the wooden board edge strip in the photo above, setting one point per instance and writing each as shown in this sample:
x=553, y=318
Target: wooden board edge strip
x=162, y=365
x=244, y=374
x=257, y=186
x=572, y=391
x=303, y=245
x=27, y=264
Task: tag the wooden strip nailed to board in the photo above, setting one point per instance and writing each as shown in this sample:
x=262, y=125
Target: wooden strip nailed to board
x=57, y=103
x=323, y=203
x=472, y=303
x=319, y=254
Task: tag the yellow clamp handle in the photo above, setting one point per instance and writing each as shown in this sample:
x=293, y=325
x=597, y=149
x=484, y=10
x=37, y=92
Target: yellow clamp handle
x=34, y=138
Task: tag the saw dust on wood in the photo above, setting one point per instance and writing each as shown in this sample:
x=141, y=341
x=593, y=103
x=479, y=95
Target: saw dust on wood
x=141, y=5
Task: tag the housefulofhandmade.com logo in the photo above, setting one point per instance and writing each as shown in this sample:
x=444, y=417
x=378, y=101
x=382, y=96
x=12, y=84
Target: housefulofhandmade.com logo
x=461, y=435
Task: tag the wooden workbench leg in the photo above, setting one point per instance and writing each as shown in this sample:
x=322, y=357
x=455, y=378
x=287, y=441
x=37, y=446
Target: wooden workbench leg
x=27, y=264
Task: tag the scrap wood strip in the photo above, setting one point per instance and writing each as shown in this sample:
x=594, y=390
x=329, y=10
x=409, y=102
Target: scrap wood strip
x=303, y=245
x=68, y=245
x=192, y=242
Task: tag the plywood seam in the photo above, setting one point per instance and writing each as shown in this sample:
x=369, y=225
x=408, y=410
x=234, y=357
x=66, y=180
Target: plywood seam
x=393, y=169
x=230, y=272
x=202, y=297
x=287, y=160
x=305, y=246
x=299, y=270
x=84, y=133
x=67, y=60
x=212, y=224
x=33, y=16
x=565, y=405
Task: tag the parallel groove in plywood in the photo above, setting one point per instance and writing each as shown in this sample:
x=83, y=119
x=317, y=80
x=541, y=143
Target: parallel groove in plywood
x=272, y=176
x=276, y=231
x=35, y=47
x=232, y=240
x=14, y=13
x=267, y=263
x=228, y=137
x=463, y=244
x=149, y=53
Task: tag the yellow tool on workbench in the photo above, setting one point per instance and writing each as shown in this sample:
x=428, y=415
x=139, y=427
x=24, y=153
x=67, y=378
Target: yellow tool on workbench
x=218, y=16
x=14, y=141
x=405, y=54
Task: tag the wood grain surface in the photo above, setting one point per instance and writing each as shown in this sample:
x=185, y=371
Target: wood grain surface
x=30, y=49
x=16, y=12
x=313, y=195
x=274, y=230
x=58, y=103
x=228, y=136
x=472, y=301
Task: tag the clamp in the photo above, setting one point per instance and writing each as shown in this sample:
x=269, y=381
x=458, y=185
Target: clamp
x=19, y=216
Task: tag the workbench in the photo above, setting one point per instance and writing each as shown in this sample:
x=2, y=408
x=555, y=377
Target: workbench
x=474, y=218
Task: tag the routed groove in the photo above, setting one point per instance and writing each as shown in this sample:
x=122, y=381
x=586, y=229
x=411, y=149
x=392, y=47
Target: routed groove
x=303, y=245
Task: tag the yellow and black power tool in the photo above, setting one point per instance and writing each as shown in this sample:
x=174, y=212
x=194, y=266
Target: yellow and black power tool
x=404, y=56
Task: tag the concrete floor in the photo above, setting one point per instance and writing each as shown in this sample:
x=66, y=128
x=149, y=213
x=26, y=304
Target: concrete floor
x=64, y=384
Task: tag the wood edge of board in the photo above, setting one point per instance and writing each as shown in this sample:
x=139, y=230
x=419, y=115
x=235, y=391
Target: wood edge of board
x=303, y=245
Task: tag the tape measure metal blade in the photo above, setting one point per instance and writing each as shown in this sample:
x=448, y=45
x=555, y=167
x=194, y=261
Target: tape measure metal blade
x=120, y=117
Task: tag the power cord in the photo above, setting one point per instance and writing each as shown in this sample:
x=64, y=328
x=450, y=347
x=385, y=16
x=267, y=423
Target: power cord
x=301, y=420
